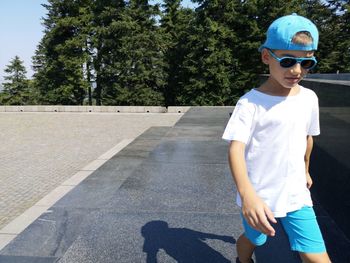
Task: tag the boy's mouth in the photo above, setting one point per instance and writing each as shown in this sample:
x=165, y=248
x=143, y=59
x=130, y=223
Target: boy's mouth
x=293, y=79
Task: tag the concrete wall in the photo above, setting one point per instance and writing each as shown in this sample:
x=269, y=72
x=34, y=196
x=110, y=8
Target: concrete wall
x=330, y=93
x=340, y=76
x=104, y=109
x=330, y=165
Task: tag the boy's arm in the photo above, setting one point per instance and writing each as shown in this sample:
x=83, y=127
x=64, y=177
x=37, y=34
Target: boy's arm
x=254, y=210
x=309, y=145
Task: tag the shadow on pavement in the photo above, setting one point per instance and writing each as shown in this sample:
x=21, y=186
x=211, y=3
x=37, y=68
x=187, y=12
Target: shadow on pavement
x=182, y=244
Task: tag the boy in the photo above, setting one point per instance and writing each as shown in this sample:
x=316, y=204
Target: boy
x=271, y=133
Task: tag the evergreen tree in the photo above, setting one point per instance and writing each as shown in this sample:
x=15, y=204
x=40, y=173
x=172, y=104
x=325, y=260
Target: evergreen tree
x=108, y=20
x=61, y=55
x=176, y=25
x=210, y=66
x=206, y=56
x=138, y=65
x=345, y=40
x=332, y=19
x=16, y=87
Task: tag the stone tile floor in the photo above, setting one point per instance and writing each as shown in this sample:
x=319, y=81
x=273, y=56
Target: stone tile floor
x=38, y=151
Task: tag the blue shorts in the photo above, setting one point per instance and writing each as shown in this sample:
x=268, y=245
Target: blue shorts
x=301, y=227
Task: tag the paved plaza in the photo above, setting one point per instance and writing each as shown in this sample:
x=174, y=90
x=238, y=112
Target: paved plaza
x=38, y=151
x=165, y=196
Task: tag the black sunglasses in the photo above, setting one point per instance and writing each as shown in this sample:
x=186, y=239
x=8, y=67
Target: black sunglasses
x=287, y=62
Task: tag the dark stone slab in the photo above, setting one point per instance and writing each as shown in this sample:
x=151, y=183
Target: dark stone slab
x=170, y=187
x=170, y=237
x=329, y=76
x=330, y=93
x=191, y=152
x=169, y=193
x=14, y=259
x=337, y=243
x=101, y=186
x=160, y=187
x=189, y=133
x=139, y=148
x=50, y=235
x=205, y=117
x=145, y=143
x=155, y=133
x=117, y=169
x=330, y=166
x=109, y=236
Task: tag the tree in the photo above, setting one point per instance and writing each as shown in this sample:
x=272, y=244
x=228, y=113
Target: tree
x=206, y=56
x=208, y=63
x=109, y=28
x=16, y=86
x=332, y=19
x=176, y=25
x=61, y=55
x=137, y=63
x=345, y=38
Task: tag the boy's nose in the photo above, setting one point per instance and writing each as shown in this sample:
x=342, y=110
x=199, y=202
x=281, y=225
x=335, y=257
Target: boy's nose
x=296, y=69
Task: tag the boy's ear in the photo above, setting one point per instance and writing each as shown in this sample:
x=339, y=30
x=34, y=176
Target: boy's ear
x=265, y=56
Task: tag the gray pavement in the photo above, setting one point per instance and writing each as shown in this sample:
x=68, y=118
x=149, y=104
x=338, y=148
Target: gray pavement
x=38, y=151
x=166, y=197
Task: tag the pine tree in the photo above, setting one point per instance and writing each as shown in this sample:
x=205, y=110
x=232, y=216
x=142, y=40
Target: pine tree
x=176, y=27
x=108, y=19
x=332, y=19
x=206, y=56
x=209, y=66
x=345, y=40
x=16, y=86
x=138, y=65
x=61, y=55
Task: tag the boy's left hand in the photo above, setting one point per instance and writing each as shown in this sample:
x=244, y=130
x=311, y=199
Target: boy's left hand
x=308, y=180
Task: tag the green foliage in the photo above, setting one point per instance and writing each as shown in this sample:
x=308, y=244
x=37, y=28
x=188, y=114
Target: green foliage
x=210, y=64
x=333, y=21
x=135, y=72
x=59, y=60
x=116, y=52
x=176, y=29
x=16, y=86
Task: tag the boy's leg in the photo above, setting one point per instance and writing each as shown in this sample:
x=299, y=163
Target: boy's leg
x=305, y=235
x=315, y=257
x=245, y=249
x=248, y=241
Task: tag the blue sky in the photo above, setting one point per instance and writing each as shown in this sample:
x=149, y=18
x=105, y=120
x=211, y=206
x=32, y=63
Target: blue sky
x=21, y=30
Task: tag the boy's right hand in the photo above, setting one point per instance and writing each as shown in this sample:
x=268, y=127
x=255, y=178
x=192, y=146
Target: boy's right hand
x=258, y=214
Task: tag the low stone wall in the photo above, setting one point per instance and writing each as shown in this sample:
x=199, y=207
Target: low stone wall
x=331, y=76
x=330, y=166
x=331, y=93
x=104, y=109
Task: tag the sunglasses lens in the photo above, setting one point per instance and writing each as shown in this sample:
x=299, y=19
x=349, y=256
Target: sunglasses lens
x=307, y=63
x=287, y=62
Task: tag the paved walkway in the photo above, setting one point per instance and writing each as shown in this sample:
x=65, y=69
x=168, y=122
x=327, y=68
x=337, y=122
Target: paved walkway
x=39, y=151
x=166, y=197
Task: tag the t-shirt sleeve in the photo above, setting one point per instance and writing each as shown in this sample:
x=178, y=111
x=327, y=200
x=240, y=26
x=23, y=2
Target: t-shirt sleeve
x=314, y=128
x=239, y=126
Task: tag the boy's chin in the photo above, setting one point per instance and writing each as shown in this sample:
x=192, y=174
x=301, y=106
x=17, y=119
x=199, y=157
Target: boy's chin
x=291, y=86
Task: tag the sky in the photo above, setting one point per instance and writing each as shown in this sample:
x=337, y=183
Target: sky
x=21, y=30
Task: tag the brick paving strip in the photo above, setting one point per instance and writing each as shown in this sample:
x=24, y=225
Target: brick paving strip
x=44, y=155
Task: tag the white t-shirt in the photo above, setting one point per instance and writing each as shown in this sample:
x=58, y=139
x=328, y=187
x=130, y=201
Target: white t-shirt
x=274, y=130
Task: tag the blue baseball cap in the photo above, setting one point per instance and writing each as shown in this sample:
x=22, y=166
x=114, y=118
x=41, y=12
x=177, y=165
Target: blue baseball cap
x=281, y=32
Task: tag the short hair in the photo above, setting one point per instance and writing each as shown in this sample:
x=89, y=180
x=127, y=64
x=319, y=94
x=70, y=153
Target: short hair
x=303, y=38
